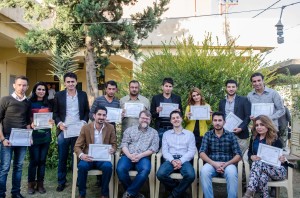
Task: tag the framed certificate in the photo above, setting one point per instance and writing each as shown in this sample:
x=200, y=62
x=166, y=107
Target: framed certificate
x=114, y=114
x=20, y=137
x=41, y=120
x=73, y=129
x=262, y=109
x=200, y=112
x=133, y=109
x=269, y=154
x=167, y=108
x=100, y=152
x=232, y=122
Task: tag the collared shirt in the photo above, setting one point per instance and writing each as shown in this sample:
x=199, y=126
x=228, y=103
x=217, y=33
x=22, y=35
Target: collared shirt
x=182, y=143
x=98, y=134
x=269, y=96
x=220, y=149
x=72, y=110
x=138, y=141
x=129, y=121
x=51, y=93
x=15, y=96
x=229, y=105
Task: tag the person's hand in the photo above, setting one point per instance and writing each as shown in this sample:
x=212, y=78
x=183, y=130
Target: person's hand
x=32, y=125
x=282, y=159
x=62, y=126
x=111, y=151
x=177, y=110
x=86, y=158
x=6, y=142
x=218, y=166
x=255, y=158
x=252, y=117
x=51, y=122
x=136, y=157
x=158, y=109
x=188, y=114
x=237, y=130
x=175, y=164
x=123, y=113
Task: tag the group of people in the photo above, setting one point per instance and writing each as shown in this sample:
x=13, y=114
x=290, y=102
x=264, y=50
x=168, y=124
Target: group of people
x=219, y=148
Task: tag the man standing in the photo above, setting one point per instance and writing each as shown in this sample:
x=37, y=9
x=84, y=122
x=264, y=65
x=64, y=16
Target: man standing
x=284, y=122
x=138, y=143
x=97, y=132
x=239, y=106
x=263, y=94
x=163, y=124
x=14, y=113
x=70, y=106
x=178, y=149
x=133, y=97
x=221, y=152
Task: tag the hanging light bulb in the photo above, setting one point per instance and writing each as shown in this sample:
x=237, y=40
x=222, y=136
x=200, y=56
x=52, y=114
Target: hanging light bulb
x=279, y=26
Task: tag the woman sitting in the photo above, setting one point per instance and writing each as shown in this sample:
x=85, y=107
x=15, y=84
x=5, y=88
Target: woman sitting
x=264, y=132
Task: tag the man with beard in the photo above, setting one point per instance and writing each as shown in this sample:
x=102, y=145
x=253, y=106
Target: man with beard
x=239, y=106
x=133, y=97
x=138, y=143
x=97, y=132
x=178, y=149
x=221, y=152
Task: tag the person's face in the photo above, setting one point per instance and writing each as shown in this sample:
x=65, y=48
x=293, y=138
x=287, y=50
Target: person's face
x=218, y=122
x=134, y=89
x=196, y=96
x=258, y=83
x=70, y=83
x=48, y=86
x=231, y=89
x=20, y=86
x=260, y=127
x=100, y=116
x=144, y=121
x=176, y=120
x=167, y=88
x=111, y=90
x=40, y=91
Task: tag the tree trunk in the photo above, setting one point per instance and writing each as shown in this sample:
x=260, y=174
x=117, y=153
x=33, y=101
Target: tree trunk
x=91, y=74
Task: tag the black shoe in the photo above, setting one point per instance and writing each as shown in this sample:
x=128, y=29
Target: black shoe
x=60, y=187
x=17, y=196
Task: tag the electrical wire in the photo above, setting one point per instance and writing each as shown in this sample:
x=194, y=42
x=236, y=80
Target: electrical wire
x=266, y=9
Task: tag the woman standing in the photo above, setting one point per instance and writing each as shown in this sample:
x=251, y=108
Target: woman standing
x=264, y=132
x=41, y=140
x=198, y=127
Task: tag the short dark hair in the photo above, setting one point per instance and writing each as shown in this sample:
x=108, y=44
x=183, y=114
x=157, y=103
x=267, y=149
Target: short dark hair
x=174, y=112
x=22, y=78
x=146, y=112
x=230, y=81
x=100, y=108
x=168, y=80
x=218, y=114
x=257, y=74
x=134, y=81
x=112, y=83
x=70, y=75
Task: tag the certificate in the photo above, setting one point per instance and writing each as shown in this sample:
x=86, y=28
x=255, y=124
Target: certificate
x=20, y=137
x=262, y=109
x=133, y=109
x=114, y=114
x=269, y=154
x=167, y=108
x=100, y=152
x=200, y=112
x=41, y=120
x=73, y=129
x=232, y=122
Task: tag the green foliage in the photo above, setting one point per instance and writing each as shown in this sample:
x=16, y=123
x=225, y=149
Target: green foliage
x=52, y=158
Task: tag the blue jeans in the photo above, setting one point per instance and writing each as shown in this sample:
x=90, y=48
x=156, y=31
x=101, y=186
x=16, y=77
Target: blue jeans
x=143, y=167
x=187, y=171
x=7, y=152
x=84, y=167
x=230, y=174
x=37, y=164
x=64, y=145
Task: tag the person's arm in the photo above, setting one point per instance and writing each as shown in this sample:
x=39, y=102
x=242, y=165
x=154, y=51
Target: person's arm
x=247, y=110
x=288, y=116
x=189, y=155
x=155, y=143
x=153, y=107
x=279, y=107
x=250, y=149
x=180, y=104
x=186, y=114
x=95, y=104
x=86, y=108
x=80, y=142
x=113, y=140
x=165, y=149
x=234, y=160
x=126, y=140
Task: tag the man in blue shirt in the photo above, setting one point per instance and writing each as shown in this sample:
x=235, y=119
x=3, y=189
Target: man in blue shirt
x=220, y=150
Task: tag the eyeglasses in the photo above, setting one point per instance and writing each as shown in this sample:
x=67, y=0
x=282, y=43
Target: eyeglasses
x=39, y=89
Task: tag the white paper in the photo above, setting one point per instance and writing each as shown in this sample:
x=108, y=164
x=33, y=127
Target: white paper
x=100, y=152
x=269, y=154
x=167, y=108
x=133, y=109
x=232, y=122
x=73, y=129
x=20, y=137
x=114, y=114
x=200, y=112
x=41, y=120
x=262, y=109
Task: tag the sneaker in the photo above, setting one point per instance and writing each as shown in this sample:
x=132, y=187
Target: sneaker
x=127, y=195
x=60, y=187
x=140, y=195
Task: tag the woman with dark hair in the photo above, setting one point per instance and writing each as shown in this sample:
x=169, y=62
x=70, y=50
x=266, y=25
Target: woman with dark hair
x=198, y=127
x=41, y=140
x=264, y=132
